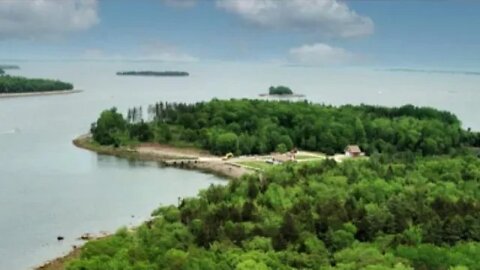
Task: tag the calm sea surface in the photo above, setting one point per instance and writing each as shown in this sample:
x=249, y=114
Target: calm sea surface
x=49, y=188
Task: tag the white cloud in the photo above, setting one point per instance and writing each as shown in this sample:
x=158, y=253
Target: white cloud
x=180, y=3
x=320, y=54
x=39, y=18
x=326, y=17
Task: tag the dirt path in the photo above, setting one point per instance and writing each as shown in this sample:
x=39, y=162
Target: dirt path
x=171, y=151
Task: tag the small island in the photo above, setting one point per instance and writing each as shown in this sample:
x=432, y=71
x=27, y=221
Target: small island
x=12, y=86
x=154, y=73
x=281, y=92
x=2, y=72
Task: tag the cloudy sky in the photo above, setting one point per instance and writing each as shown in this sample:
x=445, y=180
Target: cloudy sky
x=410, y=34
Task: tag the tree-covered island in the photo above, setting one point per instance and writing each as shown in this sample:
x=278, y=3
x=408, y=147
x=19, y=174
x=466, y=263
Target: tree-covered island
x=13, y=84
x=280, y=90
x=154, y=73
x=413, y=204
x=2, y=72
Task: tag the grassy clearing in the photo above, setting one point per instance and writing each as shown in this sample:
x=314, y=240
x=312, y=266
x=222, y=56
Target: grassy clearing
x=303, y=157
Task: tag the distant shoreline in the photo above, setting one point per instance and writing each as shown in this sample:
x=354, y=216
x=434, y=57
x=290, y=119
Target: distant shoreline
x=4, y=67
x=154, y=73
x=42, y=93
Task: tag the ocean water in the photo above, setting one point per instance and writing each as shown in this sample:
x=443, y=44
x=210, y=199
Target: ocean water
x=48, y=187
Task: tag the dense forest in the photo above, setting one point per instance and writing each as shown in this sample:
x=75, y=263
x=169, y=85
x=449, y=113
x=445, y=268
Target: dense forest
x=10, y=84
x=280, y=90
x=258, y=127
x=374, y=214
x=153, y=73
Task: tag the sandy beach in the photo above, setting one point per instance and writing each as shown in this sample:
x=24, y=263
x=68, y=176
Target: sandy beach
x=46, y=93
x=167, y=155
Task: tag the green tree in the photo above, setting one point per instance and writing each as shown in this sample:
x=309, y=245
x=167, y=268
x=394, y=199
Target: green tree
x=281, y=148
x=175, y=259
x=360, y=134
x=141, y=132
x=340, y=239
x=109, y=127
x=226, y=142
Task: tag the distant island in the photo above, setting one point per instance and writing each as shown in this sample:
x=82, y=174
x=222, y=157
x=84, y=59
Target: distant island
x=15, y=85
x=9, y=67
x=2, y=72
x=281, y=92
x=154, y=73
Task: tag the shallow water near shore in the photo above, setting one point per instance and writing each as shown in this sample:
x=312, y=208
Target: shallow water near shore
x=49, y=188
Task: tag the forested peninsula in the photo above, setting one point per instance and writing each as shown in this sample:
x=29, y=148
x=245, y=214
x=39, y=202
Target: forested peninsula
x=154, y=73
x=412, y=204
x=246, y=127
x=13, y=85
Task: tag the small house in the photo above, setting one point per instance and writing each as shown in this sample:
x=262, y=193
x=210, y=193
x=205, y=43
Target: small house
x=353, y=151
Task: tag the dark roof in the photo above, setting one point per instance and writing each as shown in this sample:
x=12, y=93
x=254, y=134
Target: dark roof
x=353, y=149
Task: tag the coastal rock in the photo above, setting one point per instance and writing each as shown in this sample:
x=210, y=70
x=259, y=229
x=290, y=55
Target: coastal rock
x=85, y=237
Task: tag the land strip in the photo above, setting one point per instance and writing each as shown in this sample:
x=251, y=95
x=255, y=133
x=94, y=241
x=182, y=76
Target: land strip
x=44, y=93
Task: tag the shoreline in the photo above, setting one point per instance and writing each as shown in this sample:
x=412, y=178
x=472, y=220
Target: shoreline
x=168, y=156
x=152, y=75
x=44, y=93
x=60, y=262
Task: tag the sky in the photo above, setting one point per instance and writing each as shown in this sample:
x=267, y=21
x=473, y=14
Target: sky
x=432, y=35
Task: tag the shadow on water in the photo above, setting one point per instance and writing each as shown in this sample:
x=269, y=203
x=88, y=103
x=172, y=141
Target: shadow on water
x=115, y=162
